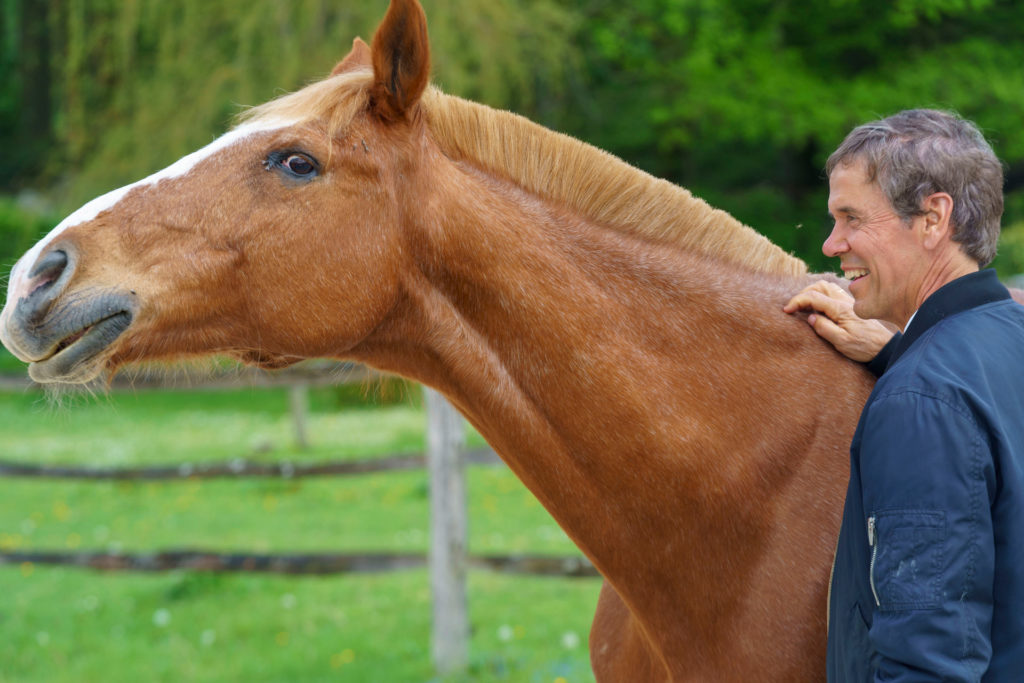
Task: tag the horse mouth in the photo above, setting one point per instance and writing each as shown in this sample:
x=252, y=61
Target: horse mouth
x=74, y=358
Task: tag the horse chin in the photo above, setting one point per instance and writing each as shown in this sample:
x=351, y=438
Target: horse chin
x=82, y=356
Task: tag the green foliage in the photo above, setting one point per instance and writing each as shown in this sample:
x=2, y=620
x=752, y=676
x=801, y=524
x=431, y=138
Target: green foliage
x=788, y=74
x=504, y=53
x=1010, y=261
x=20, y=228
x=740, y=93
x=138, y=84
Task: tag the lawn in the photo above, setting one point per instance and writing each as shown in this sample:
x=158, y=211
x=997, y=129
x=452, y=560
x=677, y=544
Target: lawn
x=65, y=624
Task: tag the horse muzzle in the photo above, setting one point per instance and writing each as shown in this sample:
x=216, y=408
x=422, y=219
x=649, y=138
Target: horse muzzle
x=60, y=332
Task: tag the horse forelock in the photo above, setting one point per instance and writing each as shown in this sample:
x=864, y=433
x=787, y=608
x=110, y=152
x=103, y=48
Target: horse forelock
x=335, y=100
x=557, y=167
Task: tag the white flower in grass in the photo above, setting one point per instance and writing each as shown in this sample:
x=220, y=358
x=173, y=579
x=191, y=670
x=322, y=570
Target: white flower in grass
x=208, y=637
x=161, y=617
x=505, y=633
x=570, y=641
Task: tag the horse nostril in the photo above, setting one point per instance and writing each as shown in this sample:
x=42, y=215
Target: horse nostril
x=49, y=268
x=46, y=280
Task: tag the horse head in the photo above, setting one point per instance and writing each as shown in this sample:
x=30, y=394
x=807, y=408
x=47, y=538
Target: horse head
x=276, y=242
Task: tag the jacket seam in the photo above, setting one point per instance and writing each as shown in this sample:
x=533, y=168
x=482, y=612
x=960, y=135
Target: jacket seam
x=974, y=520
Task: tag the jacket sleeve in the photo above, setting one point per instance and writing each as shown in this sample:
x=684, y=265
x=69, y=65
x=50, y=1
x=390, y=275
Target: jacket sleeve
x=879, y=363
x=928, y=481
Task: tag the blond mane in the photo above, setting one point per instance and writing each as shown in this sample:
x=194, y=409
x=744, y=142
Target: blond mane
x=556, y=167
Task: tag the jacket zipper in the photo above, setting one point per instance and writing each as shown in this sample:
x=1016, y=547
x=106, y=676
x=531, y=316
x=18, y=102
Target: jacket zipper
x=873, y=544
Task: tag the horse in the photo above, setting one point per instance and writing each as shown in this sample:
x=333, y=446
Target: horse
x=619, y=342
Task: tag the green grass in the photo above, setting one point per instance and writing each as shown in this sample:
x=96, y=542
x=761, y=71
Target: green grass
x=65, y=625
x=152, y=427
x=62, y=624
x=380, y=512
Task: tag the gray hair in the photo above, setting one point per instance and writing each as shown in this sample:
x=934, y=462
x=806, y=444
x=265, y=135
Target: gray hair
x=918, y=152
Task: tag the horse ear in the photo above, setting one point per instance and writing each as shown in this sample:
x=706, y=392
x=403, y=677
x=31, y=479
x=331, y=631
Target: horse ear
x=358, y=58
x=401, y=60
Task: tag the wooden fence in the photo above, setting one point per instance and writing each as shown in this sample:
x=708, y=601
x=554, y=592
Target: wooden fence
x=446, y=458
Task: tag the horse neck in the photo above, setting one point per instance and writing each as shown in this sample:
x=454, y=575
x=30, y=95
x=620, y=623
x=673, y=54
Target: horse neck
x=582, y=355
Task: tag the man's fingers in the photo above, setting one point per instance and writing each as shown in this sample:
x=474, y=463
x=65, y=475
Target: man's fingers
x=819, y=295
x=801, y=299
x=827, y=329
x=799, y=302
x=833, y=319
x=819, y=301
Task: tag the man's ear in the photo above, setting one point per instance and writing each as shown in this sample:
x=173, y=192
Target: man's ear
x=937, y=219
x=359, y=57
x=401, y=61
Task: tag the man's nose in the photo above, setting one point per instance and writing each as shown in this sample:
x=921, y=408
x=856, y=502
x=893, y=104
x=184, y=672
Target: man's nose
x=835, y=244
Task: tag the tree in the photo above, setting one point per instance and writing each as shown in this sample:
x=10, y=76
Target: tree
x=123, y=88
x=743, y=99
x=25, y=104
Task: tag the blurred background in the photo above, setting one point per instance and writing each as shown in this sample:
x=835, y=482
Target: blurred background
x=741, y=101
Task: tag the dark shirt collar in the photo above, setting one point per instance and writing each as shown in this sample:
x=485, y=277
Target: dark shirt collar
x=969, y=291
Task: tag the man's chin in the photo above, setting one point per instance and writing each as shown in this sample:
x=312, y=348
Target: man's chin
x=865, y=311
x=863, y=308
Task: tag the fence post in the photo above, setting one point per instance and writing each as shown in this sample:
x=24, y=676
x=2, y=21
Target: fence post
x=448, y=538
x=298, y=401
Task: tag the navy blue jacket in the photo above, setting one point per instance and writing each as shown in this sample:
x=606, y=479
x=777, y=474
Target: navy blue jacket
x=928, y=583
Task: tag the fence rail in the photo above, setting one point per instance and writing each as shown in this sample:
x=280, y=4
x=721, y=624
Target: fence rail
x=183, y=377
x=237, y=467
x=302, y=563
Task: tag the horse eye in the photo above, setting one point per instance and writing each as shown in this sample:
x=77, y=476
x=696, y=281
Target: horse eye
x=299, y=165
x=293, y=165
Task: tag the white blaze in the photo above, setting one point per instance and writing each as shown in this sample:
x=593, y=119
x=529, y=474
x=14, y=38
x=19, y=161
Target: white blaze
x=18, y=283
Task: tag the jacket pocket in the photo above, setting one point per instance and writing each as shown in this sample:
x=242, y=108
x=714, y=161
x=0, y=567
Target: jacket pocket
x=907, y=555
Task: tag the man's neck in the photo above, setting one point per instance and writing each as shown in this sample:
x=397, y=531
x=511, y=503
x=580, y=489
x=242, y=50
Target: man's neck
x=951, y=265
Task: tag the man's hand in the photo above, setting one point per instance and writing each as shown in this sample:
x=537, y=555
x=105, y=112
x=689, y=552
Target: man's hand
x=834, y=320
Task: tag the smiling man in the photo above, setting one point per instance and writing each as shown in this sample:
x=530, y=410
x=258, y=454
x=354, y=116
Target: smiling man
x=928, y=583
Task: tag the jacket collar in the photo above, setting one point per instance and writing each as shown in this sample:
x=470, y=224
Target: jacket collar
x=964, y=293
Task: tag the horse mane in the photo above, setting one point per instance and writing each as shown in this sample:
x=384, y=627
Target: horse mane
x=554, y=166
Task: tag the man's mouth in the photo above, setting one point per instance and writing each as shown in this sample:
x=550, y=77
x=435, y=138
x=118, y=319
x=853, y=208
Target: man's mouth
x=854, y=274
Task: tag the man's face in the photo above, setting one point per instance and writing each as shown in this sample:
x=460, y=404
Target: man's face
x=879, y=253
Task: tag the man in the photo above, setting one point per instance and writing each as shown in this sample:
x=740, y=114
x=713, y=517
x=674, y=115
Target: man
x=928, y=582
